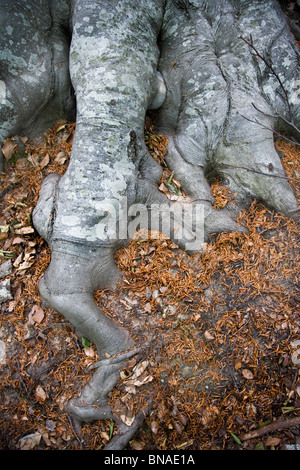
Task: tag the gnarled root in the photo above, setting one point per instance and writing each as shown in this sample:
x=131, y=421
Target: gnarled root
x=93, y=403
x=125, y=433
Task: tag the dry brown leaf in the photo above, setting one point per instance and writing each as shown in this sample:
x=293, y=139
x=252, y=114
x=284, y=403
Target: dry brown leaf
x=18, y=240
x=178, y=428
x=208, y=336
x=104, y=435
x=40, y=393
x=247, y=374
x=127, y=419
x=45, y=161
x=61, y=158
x=25, y=265
x=272, y=441
x=30, y=442
x=18, y=260
x=238, y=365
x=89, y=351
x=25, y=231
x=154, y=427
x=142, y=380
x=8, y=148
x=136, y=445
x=130, y=389
x=36, y=315
x=33, y=160
x=139, y=369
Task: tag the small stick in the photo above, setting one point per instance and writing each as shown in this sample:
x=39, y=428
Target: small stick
x=276, y=426
x=292, y=141
x=275, y=175
x=289, y=123
x=250, y=44
x=79, y=439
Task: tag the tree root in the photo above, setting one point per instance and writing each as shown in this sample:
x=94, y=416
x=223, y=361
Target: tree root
x=81, y=410
x=125, y=433
x=115, y=359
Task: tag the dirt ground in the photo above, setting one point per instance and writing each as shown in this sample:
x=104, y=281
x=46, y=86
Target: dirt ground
x=222, y=327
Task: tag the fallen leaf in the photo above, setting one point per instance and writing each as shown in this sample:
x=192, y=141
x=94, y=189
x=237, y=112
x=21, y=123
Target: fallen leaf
x=11, y=306
x=85, y=342
x=185, y=444
x=259, y=446
x=104, y=435
x=33, y=160
x=272, y=441
x=45, y=161
x=25, y=231
x=247, y=374
x=143, y=380
x=178, y=428
x=8, y=148
x=61, y=127
x=128, y=420
x=296, y=354
x=136, y=445
x=208, y=336
x=40, y=393
x=30, y=442
x=18, y=240
x=3, y=236
x=18, y=260
x=130, y=389
x=237, y=440
x=124, y=374
x=36, y=315
x=139, y=369
x=25, y=265
x=46, y=439
x=154, y=427
x=61, y=158
x=89, y=351
x=183, y=419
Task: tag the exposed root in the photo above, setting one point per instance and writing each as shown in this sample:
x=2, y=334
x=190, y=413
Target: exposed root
x=116, y=359
x=125, y=433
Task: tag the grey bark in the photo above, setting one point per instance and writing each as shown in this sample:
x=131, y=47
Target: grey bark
x=35, y=86
x=216, y=100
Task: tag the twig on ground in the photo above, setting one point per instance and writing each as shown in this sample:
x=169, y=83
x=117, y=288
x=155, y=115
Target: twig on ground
x=78, y=438
x=276, y=426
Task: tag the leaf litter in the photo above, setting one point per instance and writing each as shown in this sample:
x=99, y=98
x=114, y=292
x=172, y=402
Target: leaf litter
x=222, y=326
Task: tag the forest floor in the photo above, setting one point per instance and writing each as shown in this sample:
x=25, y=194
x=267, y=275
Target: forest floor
x=222, y=364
